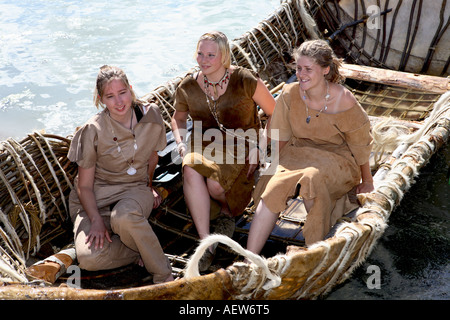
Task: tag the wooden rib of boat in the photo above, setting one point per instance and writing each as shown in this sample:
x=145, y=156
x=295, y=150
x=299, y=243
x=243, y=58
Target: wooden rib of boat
x=390, y=77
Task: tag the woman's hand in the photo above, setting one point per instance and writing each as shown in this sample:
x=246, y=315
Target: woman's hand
x=97, y=234
x=365, y=187
x=178, y=122
x=367, y=181
x=85, y=189
x=157, y=198
x=181, y=149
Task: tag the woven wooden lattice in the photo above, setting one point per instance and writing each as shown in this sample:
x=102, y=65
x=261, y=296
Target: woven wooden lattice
x=36, y=177
x=388, y=101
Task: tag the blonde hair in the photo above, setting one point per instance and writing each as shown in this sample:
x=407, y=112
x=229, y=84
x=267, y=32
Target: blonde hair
x=104, y=77
x=321, y=52
x=222, y=41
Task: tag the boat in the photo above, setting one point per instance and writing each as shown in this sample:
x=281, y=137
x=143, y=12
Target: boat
x=398, y=71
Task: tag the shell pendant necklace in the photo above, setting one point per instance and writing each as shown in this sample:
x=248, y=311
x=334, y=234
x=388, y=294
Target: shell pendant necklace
x=131, y=170
x=324, y=108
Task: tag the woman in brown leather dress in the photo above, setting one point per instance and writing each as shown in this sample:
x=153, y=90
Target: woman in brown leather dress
x=324, y=143
x=219, y=98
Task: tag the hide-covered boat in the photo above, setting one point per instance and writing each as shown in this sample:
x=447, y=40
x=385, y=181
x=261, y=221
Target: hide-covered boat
x=397, y=59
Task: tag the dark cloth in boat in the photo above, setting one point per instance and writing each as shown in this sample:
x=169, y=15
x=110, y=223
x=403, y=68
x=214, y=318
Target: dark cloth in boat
x=215, y=159
x=124, y=201
x=323, y=157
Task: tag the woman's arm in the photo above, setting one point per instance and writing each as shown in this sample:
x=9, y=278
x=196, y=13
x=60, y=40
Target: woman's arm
x=366, y=185
x=266, y=102
x=264, y=98
x=178, y=123
x=152, y=163
x=85, y=190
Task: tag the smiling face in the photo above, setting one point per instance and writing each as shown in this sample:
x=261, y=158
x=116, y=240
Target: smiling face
x=209, y=59
x=117, y=98
x=309, y=73
x=319, y=53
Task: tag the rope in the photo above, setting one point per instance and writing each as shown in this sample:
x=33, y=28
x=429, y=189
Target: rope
x=191, y=270
x=245, y=55
x=23, y=171
x=308, y=21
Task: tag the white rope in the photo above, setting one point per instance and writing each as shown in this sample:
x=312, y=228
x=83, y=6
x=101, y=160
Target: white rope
x=246, y=56
x=351, y=236
x=258, y=51
x=288, y=44
x=308, y=21
x=50, y=167
x=8, y=144
x=270, y=41
x=289, y=15
x=301, y=292
x=11, y=273
x=191, y=269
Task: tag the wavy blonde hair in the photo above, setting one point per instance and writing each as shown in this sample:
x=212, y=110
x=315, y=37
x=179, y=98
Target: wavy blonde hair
x=321, y=52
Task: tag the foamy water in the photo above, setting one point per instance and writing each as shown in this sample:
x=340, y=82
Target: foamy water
x=50, y=51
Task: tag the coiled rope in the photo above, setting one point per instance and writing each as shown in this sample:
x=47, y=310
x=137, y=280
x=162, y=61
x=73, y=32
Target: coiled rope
x=269, y=279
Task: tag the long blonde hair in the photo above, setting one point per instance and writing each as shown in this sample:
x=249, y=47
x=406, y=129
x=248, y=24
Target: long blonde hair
x=222, y=41
x=321, y=52
x=105, y=76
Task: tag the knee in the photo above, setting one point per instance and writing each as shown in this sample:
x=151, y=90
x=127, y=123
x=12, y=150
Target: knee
x=312, y=174
x=125, y=214
x=312, y=184
x=190, y=175
x=214, y=188
x=89, y=260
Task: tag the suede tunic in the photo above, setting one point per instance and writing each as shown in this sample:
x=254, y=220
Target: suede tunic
x=93, y=145
x=213, y=153
x=323, y=157
x=124, y=201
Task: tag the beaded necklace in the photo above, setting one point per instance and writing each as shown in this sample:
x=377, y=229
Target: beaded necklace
x=213, y=109
x=219, y=83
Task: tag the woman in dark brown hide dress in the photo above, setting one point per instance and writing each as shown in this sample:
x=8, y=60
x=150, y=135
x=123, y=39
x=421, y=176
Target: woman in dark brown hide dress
x=219, y=98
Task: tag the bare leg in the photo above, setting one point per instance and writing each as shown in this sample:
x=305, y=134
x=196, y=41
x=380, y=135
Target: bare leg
x=197, y=200
x=218, y=193
x=262, y=225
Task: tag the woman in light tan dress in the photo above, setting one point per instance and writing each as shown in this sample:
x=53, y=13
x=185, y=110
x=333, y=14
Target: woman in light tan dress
x=116, y=153
x=325, y=143
x=218, y=95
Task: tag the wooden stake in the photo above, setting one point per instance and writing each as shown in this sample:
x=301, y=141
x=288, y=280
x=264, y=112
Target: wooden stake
x=396, y=78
